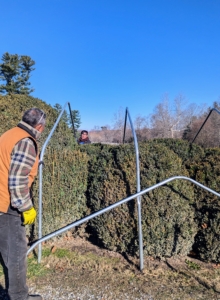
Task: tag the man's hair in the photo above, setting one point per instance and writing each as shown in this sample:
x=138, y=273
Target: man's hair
x=84, y=131
x=34, y=116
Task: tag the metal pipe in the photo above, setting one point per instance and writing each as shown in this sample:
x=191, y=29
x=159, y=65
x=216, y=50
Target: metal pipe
x=138, y=190
x=125, y=123
x=102, y=211
x=71, y=116
x=127, y=114
x=40, y=180
x=213, y=109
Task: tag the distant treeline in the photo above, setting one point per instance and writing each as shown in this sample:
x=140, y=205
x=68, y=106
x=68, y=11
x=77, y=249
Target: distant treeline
x=169, y=120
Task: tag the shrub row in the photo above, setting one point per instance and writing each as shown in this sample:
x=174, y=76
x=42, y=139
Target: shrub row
x=176, y=218
x=79, y=180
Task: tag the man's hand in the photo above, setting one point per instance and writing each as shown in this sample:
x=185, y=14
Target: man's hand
x=29, y=216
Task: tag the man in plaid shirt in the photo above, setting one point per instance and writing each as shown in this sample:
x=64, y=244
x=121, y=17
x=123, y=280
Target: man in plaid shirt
x=18, y=167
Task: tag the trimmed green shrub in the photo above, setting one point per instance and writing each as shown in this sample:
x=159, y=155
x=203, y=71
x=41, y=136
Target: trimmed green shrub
x=65, y=172
x=64, y=188
x=167, y=212
x=207, y=241
x=12, y=108
x=186, y=151
x=107, y=184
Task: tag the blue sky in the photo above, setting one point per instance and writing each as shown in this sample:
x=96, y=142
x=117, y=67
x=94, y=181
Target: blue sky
x=105, y=55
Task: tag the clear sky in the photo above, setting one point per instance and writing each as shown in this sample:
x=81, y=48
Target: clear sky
x=101, y=55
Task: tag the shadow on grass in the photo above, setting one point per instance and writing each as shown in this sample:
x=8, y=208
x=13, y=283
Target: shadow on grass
x=4, y=291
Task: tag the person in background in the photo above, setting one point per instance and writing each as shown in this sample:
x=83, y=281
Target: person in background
x=84, y=139
x=18, y=167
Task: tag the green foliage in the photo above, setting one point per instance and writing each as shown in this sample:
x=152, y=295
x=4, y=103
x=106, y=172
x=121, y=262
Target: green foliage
x=60, y=253
x=58, y=109
x=192, y=265
x=168, y=214
x=108, y=184
x=208, y=207
x=176, y=217
x=64, y=187
x=171, y=214
x=72, y=122
x=186, y=151
x=58, y=177
x=9, y=69
x=12, y=108
x=15, y=70
x=35, y=269
x=26, y=67
x=76, y=119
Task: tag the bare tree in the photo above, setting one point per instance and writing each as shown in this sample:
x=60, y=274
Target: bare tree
x=118, y=124
x=209, y=136
x=161, y=119
x=142, y=128
x=171, y=119
x=107, y=134
x=103, y=134
x=140, y=122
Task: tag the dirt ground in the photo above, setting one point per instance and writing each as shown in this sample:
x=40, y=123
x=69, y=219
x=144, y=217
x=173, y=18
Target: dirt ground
x=73, y=268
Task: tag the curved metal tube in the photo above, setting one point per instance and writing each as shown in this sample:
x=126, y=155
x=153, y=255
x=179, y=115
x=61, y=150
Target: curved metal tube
x=127, y=114
x=213, y=109
x=102, y=211
x=40, y=178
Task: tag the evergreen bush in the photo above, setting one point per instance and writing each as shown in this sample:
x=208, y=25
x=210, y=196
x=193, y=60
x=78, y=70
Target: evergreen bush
x=64, y=189
x=109, y=183
x=167, y=212
x=207, y=241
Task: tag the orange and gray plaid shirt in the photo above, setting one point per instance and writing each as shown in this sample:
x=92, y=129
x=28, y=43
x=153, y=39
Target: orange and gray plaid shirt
x=22, y=159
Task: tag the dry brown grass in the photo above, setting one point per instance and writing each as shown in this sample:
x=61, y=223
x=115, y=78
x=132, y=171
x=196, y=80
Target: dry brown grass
x=76, y=265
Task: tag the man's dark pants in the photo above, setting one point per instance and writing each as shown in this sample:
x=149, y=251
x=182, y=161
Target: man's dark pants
x=13, y=248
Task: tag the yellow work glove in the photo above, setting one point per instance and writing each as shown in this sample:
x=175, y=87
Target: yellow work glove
x=29, y=216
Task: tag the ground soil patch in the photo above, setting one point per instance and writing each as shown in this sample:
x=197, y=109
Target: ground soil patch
x=77, y=269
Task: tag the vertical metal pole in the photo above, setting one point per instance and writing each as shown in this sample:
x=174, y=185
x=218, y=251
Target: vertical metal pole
x=71, y=116
x=213, y=109
x=138, y=190
x=40, y=213
x=126, y=113
x=40, y=182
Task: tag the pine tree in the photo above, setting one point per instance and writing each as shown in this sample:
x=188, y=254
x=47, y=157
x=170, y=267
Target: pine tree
x=26, y=66
x=67, y=118
x=76, y=119
x=15, y=71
